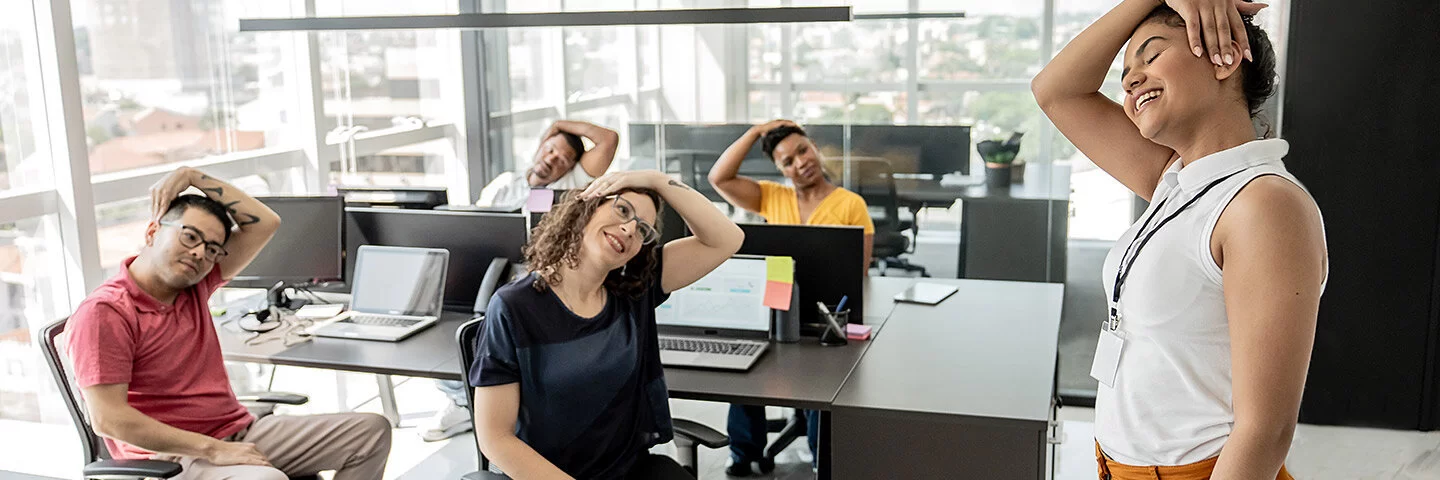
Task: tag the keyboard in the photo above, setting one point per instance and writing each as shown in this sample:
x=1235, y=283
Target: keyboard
x=722, y=347
x=380, y=321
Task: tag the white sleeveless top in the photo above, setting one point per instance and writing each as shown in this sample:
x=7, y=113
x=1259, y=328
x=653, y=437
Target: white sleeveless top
x=1171, y=399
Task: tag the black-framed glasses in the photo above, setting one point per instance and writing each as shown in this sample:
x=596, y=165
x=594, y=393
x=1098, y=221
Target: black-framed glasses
x=190, y=237
x=626, y=211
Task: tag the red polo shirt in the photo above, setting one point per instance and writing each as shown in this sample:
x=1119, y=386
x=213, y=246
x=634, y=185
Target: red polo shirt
x=168, y=354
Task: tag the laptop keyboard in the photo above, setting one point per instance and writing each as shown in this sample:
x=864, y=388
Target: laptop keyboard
x=709, y=346
x=381, y=321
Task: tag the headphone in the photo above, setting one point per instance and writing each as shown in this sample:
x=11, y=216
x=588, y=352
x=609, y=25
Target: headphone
x=262, y=321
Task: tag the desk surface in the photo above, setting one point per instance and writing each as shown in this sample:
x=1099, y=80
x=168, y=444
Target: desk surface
x=915, y=362
x=988, y=351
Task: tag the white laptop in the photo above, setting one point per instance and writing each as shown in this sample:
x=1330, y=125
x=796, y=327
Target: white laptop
x=720, y=321
x=395, y=292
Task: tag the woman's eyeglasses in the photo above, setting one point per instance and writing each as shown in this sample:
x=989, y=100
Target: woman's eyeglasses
x=626, y=211
x=190, y=237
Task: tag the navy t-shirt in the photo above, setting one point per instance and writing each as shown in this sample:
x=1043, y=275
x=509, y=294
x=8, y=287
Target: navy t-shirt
x=592, y=390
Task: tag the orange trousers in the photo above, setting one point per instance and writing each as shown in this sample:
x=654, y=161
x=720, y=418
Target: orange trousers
x=1112, y=470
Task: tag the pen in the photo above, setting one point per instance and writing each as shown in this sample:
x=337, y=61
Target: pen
x=841, y=306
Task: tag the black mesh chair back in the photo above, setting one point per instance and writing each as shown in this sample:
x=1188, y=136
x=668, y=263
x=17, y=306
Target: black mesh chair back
x=51, y=337
x=466, y=336
x=874, y=181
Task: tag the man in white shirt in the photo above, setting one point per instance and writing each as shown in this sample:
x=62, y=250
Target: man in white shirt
x=561, y=163
x=555, y=162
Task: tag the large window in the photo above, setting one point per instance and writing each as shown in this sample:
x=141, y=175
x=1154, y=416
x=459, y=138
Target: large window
x=167, y=81
x=23, y=162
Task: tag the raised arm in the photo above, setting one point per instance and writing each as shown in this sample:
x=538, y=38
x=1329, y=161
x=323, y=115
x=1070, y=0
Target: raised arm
x=743, y=192
x=686, y=260
x=114, y=418
x=1273, y=258
x=496, y=408
x=1068, y=88
x=596, y=160
x=255, y=222
x=1068, y=91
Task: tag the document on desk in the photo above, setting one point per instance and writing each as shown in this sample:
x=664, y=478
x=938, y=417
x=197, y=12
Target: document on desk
x=319, y=310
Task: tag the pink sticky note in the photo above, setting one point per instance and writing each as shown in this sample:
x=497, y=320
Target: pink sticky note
x=777, y=295
x=857, y=332
x=540, y=201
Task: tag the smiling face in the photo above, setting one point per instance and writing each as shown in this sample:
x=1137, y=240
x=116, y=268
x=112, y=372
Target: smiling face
x=1165, y=84
x=178, y=266
x=609, y=240
x=799, y=160
x=553, y=160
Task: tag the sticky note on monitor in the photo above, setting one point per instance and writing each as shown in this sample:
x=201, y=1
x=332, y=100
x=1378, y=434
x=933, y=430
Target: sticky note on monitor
x=779, y=282
x=780, y=269
x=540, y=201
x=777, y=295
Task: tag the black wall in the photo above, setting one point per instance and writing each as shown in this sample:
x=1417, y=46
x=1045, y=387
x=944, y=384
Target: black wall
x=1362, y=95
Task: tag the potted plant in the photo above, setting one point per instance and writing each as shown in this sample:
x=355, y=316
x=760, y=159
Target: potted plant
x=999, y=156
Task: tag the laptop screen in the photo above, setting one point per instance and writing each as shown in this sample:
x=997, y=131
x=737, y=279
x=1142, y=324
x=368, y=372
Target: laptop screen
x=398, y=280
x=730, y=297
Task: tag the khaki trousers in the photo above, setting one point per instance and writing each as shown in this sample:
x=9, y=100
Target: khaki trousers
x=355, y=445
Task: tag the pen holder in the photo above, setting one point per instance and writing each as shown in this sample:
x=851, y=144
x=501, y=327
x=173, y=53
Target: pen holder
x=828, y=335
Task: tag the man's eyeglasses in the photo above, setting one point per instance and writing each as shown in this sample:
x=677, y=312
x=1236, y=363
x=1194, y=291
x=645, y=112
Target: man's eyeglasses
x=190, y=237
x=626, y=211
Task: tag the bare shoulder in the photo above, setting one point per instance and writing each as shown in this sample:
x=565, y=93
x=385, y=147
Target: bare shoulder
x=1271, y=199
x=1273, y=215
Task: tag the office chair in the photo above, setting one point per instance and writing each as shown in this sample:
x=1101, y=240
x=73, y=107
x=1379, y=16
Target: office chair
x=98, y=463
x=688, y=434
x=790, y=429
x=873, y=180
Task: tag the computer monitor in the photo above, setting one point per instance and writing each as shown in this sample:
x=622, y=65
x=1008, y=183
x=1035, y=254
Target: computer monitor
x=473, y=239
x=419, y=198
x=730, y=297
x=309, y=247
x=829, y=265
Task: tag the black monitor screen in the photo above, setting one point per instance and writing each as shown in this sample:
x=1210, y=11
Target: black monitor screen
x=309, y=246
x=829, y=265
x=473, y=239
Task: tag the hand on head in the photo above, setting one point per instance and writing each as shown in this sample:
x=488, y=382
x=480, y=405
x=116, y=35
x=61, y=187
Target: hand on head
x=1215, y=27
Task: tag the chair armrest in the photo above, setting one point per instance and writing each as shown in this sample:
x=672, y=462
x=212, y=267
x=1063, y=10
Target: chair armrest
x=700, y=434
x=280, y=398
x=132, y=468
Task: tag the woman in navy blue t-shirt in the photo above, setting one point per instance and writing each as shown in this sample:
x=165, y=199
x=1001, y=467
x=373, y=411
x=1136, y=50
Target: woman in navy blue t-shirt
x=567, y=372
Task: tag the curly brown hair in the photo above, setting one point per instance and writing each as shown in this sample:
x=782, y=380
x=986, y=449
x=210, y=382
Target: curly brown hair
x=555, y=244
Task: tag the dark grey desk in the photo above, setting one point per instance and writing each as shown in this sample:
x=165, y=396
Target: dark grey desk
x=912, y=368
x=964, y=386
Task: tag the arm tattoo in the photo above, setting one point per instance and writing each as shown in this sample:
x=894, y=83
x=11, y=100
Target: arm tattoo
x=219, y=191
x=677, y=183
x=241, y=219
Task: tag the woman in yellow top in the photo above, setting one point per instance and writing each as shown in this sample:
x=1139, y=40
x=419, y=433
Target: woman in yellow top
x=812, y=201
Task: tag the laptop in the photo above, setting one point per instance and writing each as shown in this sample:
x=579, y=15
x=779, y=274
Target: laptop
x=719, y=322
x=396, y=291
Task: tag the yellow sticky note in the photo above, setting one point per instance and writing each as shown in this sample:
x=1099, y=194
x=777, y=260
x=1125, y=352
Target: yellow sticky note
x=780, y=269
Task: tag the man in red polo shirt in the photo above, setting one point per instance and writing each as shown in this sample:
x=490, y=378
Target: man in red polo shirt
x=148, y=361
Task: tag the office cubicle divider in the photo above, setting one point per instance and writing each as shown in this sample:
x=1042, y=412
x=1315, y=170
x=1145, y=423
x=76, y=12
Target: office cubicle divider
x=690, y=149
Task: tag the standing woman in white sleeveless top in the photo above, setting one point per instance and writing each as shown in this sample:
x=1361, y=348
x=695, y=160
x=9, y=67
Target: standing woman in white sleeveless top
x=1213, y=294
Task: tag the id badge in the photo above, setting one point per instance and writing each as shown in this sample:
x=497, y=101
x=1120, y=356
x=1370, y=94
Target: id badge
x=1107, y=357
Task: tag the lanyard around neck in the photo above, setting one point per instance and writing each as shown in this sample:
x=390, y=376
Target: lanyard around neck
x=1136, y=244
